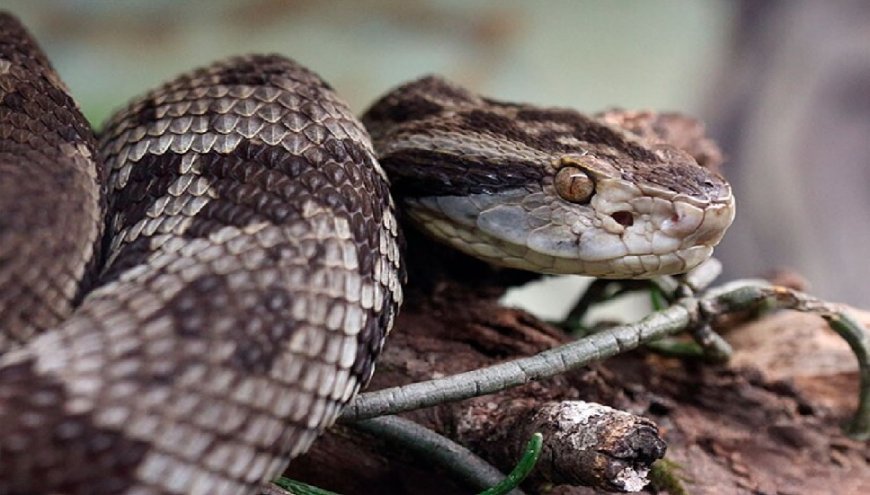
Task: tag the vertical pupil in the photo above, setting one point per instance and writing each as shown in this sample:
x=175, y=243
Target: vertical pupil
x=572, y=184
x=577, y=187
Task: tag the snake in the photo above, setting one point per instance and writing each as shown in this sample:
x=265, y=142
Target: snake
x=189, y=298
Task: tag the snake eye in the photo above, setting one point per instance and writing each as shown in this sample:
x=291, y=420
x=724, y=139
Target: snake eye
x=574, y=185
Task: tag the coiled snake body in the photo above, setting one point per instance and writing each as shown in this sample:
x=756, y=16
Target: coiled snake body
x=248, y=269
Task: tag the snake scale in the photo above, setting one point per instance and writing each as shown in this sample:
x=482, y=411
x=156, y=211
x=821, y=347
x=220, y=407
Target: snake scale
x=189, y=300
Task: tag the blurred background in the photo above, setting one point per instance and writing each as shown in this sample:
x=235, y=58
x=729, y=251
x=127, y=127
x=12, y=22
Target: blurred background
x=783, y=85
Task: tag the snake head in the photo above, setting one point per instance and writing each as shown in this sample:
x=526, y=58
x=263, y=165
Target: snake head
x=546, y=189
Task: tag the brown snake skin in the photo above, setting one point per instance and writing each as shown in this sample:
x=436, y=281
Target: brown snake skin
x=248, y=287
x=46, y=146
x=250, y=267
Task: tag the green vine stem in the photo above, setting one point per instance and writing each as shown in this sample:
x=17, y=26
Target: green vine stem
x=858, y=339
x=299, y=488
x=523, y=468
x=735, y=297
x=436, y=448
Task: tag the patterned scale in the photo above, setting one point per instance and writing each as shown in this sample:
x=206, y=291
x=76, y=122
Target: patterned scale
x=253, y=273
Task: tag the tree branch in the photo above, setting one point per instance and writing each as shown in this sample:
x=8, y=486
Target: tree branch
x=685, y=313
x=519, y=371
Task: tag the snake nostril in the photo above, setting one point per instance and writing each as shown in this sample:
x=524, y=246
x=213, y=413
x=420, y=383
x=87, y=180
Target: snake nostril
x=624, y=218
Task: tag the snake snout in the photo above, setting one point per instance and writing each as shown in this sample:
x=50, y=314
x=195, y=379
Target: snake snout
x=684, y=220
x=717, y=219
x=696, y=226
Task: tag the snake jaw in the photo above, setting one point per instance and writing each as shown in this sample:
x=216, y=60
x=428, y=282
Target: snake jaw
x=627, y=230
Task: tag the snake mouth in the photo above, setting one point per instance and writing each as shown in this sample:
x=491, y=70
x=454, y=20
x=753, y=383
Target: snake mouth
x=640, y=235
x=504, y=253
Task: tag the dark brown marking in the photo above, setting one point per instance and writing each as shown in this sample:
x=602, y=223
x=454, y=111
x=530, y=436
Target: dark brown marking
x=411, y=110
x=261, y=70
x=582, y=128
x=149, y=179
x=133, y=254
x=146, y=114
x=416, y=100
x=369, y=341
x=417, y=173
x=209, y=303
x=258, y=182
x=17, y=45
x=687, y=178
x=45, y=449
